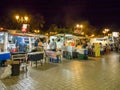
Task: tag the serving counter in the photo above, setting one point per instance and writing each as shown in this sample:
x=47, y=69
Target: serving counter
x=4, y=56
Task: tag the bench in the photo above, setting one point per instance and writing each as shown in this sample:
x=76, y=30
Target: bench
x=35, y=57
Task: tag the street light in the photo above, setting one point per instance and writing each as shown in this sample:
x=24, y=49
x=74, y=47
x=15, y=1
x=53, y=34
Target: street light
x=78, y=29
x=37, y=31
x=81, y=26
x=17, y=17
x=82, y=33
x=105, y=31
x=21, y=20
x=26, y=18
x=77, y=26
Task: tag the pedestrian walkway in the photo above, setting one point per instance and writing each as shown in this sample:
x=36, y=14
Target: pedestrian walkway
x=94, y=74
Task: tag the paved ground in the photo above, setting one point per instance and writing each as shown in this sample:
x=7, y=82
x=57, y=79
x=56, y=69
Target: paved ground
x=93, y=74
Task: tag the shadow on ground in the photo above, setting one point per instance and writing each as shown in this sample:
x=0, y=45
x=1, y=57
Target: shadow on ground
x=46, y=66
x=10, y=81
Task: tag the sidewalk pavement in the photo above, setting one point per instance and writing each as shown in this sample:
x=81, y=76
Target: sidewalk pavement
x=93, y=74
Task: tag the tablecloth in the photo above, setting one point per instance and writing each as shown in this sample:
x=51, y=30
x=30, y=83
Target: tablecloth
x=4, y=56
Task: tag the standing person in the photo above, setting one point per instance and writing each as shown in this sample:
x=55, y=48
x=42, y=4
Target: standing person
x=89, y=49
x=53, y=45
x=97, y=50
x=101, y=49
x=107, y=49
x=22, y=47
x=36, y=43
x=93, y=49
x=48, y=45
x=40, y=43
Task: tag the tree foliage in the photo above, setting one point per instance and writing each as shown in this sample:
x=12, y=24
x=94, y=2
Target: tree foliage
x=55, y=28
x=37, y=22
x=34, y=21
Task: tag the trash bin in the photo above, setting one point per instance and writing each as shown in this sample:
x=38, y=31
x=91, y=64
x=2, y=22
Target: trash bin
x=68, y=57
x=85, y=57
x=80, y=56
x=64, y=54
x=74, y=55
x=55, y=60
x=15, y=68
x=86, y=54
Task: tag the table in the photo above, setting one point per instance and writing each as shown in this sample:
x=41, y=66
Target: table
x=35, y=56
x=21, y=59
x=18, y=56
x=82, y=51
x=54, y=56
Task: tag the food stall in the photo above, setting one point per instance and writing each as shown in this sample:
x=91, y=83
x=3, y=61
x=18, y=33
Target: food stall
x=82, y=53
x=67, y=44
x=22, y=41
x=4, y=53
x=64, y=39
x=71, y=51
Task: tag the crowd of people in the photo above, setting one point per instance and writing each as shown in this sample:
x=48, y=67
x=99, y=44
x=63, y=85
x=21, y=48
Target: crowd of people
x=98, y=49
x=95, y=49
x=46, y=45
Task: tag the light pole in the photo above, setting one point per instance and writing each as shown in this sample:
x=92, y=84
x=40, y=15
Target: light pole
x=78, y=29
x=37, y=31
x=21, y=20
x=105, y=31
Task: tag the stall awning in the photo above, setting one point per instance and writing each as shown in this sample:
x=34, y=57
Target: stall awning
x=3, y=30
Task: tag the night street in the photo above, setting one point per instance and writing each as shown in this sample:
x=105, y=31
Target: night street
x=59, y=45
x=93, y=74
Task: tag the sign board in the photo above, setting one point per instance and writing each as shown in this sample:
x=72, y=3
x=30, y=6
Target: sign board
x=24, y=28
x=115, y=34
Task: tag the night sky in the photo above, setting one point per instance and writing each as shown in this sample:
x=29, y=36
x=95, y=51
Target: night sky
x=97, y=12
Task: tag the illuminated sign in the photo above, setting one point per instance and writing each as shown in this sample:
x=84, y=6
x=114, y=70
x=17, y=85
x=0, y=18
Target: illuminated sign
x=115, y=34
x=24, y=28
